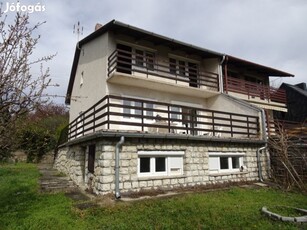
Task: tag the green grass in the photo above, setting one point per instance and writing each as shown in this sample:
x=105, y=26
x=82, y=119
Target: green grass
x=23, y=207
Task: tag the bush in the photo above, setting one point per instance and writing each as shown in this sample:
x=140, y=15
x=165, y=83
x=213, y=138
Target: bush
x=41, y=132
x=36, y=142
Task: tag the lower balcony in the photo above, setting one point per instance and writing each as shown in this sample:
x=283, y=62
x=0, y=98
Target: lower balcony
x=255, y=91
x=124, y=114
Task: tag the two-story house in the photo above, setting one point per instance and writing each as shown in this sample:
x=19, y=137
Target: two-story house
x=151, y=112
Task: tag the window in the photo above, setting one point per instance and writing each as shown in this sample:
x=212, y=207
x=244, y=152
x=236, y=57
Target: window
x=225, y=162
x=138, y=105
x=150, y=60
x=139, y=56
x=91, y=158
x=181, y=68
x=135, y=108
x=126, y=110
x=235, y=162
x=192, y=68
x=172, y=66
x=144, y=59
x=149, y=110
x=160, y=163
x=124, y=59
x=130, y=110
x=144, y=164
x=175, y=115
x=185, y=69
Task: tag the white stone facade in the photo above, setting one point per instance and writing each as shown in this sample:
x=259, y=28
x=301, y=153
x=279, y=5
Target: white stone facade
x=72, y=160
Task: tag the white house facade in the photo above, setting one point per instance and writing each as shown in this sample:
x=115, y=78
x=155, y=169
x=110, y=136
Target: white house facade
x=149, y=112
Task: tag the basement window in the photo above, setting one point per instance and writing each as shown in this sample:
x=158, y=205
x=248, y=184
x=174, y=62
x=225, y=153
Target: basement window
x=225, y=162
x=160, y=163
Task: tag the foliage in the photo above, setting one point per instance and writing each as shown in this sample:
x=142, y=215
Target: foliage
x=20, y=91
x=36, y=142
x=289, y=161
x=23, y=207
x=42, y=130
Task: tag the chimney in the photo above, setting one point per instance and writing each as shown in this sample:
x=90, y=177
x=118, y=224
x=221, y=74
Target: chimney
x=98, y=26
x=301, y=86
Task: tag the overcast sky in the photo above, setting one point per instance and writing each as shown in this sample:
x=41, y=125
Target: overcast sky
x=269, y=32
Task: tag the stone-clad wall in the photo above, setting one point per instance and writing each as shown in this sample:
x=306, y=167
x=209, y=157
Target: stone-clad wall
x=73, y=161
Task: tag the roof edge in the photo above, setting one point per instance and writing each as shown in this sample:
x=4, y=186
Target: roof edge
x=283, y=73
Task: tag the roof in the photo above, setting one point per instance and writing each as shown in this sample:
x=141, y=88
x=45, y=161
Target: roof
x=295, y=88
x=137, y=33
x=157, y=39
x=261, y=69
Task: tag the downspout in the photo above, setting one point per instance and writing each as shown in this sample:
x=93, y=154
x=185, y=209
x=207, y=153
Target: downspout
x=259, y=163
x=264, y=136
x=221, y=74
x=117, y=147
x=226, y=75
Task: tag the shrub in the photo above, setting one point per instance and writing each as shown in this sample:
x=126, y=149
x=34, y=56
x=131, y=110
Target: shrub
x=36, y=142
x=42, y=131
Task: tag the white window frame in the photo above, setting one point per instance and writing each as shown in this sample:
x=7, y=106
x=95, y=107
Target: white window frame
x=214, y=162
x=173, y=163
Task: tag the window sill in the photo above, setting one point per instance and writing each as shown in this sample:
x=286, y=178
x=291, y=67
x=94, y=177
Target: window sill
x=227, y=173
x=143, y=178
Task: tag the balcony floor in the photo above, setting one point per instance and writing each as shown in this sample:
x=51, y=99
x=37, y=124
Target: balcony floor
x=155, y=83
x=169, y=136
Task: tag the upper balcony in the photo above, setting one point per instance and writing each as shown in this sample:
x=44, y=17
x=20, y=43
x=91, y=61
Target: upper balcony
x=250, y=81
x=254, y=92
x=144, y=69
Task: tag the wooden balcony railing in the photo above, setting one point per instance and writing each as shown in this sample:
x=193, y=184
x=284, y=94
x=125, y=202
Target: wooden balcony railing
x=114, y=113
x=131, y=63
x=290, y=130
x=253, y=90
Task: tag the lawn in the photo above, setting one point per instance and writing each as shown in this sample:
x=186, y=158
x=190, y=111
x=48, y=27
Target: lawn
x=23, y=207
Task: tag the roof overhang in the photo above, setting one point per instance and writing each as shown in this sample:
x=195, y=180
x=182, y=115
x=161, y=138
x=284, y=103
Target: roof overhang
x=254, y=67
x=140, y=34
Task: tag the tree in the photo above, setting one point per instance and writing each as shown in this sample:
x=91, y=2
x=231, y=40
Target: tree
x=20, y=91
x=288, y=155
